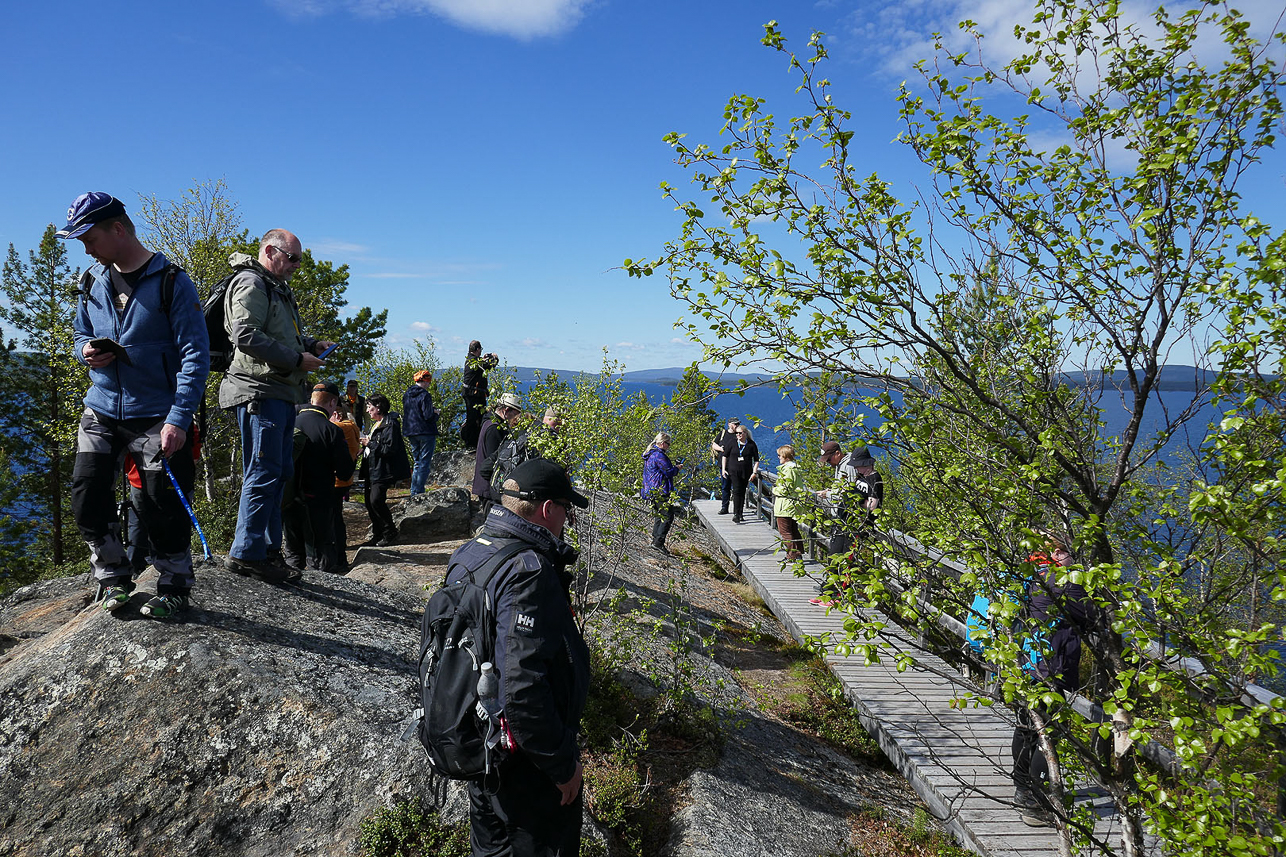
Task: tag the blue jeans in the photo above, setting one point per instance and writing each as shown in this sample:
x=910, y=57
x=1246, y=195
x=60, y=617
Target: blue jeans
x=422, y=446
x=267, y=445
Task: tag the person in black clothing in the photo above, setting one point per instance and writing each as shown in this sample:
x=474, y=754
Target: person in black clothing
x=535, y=807
x=384, y=463
x=493, y=434
x=309, y=538
x=1064, y=611
x=356, y=405
x=740, y=465
x=473, y=386
x=719, y=448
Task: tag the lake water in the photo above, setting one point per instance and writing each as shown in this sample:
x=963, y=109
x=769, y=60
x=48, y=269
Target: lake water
x=771, y=409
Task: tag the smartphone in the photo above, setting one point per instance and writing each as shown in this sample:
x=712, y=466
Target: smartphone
x=327, y=352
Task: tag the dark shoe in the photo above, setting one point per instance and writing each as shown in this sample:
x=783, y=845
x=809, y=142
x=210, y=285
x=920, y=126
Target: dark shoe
x=114, y=593
x=661, y=549
x=264, y=569
x=723, y=511
x=736, y=520
x=167, y=606
x=1037, y=816
x=385, y=542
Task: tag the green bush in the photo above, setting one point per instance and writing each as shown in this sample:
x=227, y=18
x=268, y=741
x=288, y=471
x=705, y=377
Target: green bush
x=410, y=829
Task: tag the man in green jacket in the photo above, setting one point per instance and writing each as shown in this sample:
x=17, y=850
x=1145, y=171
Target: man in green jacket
x=269, y=375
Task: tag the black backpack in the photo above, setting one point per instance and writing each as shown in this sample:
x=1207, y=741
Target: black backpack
x=215, y=313
x=514, y=450
x=458, y=635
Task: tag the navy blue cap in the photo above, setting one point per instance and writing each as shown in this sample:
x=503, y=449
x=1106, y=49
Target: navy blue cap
x=89, y=209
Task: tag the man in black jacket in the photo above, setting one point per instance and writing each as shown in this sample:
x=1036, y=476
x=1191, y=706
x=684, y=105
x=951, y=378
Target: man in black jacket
x=420, y=425
x=494, y=431
x=719, y=450
x=535, y=809
x=321, y=457
x=473, y=387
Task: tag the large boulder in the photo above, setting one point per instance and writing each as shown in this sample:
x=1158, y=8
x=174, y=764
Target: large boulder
x=267, y=722
x=437, y=515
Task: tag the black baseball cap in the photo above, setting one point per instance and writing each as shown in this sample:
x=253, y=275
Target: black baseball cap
x=541, y=479
x=87, y=210
x=327, y=387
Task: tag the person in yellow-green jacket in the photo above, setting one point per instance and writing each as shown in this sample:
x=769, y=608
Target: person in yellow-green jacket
x=787, y=495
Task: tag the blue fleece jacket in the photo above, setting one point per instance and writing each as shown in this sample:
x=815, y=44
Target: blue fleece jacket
x=170, y=357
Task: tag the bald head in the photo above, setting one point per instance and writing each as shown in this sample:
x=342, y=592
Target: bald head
x=280, y=253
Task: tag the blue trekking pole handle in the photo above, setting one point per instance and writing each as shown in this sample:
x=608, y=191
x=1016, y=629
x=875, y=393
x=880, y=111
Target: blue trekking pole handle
x=188, y=507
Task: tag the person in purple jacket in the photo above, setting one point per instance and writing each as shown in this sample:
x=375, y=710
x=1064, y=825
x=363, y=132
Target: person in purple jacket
x=140, y=330
x=658, y=484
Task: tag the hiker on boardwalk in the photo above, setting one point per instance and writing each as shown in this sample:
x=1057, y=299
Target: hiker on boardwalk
x=1056, y=615
x=384, y=464
x=507, y=412
x=719, y=450
x=855, y=493
x=536, y=806
x=788, y=493
x=267, y=378
x=473, y=387
x=740, y=466
x=321, y=457
x=658, y=485
x=421, y=428
x=139, y=328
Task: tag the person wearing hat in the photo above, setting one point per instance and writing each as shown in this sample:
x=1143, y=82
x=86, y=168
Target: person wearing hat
x=140, y=330
x=719, y=447
x=857, y=488
x=421, y=427
x=266, y=379
x=543, y=662
x=321, y=456
x=507, y=412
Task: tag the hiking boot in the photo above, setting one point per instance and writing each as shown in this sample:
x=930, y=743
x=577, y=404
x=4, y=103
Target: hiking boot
x=1037, y=816
x=384, y=542
x=114, y=593
x=264, y=569
x=662, y=549
x=167, y=606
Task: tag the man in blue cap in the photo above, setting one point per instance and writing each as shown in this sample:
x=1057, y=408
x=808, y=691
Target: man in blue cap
x=140, y=330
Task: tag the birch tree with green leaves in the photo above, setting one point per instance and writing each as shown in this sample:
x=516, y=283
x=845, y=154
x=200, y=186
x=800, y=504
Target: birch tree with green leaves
x=1027, y=288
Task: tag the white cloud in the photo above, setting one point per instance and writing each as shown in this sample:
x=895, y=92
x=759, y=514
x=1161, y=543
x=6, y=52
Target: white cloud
x=521, y=19
x=423, y=327
x=328, y=248
x=531, y=342
x=897, y=33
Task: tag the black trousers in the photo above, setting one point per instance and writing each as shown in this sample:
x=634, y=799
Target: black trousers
x=377, y=507
x=738, y=484
x=664, y=512
x=308, y=533
x=523, y=818
x=472, y=421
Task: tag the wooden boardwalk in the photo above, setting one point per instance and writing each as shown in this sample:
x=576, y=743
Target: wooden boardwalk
x=958, y=761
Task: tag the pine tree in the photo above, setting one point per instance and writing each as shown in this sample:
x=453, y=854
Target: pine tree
x=45, y=386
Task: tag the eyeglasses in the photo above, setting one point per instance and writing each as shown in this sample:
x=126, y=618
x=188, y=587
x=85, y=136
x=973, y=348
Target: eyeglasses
x=293, y=258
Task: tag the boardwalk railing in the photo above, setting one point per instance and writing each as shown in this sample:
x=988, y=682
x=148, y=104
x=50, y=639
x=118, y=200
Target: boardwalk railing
x=759, y=505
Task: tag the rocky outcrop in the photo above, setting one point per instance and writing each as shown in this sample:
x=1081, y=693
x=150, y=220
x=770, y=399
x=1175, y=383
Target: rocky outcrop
x=268, y=722
x=436, y=515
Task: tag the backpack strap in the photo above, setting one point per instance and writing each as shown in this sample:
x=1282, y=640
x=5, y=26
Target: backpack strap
x=506, y=552
x=85, y=283
x=168, y=275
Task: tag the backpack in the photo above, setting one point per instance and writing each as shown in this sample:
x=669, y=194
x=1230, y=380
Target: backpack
x=513, y=451
x=168, y=274
x=215, y=313
x=458, y=635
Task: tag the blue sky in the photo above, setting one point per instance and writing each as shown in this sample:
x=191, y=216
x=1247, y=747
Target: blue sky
x=482, y=166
